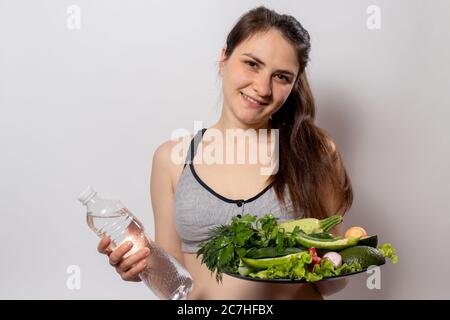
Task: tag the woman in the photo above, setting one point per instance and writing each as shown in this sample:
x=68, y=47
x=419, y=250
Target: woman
x=265, y=88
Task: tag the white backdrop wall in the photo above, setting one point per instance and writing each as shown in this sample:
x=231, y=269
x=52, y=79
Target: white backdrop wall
x=90, y=106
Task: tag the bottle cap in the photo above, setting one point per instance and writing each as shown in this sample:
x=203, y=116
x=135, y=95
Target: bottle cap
x=87, y=195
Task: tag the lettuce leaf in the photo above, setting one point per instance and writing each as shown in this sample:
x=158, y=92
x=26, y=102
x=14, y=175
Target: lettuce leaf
x=297, y=268
x=388, y=251
x=327, y=269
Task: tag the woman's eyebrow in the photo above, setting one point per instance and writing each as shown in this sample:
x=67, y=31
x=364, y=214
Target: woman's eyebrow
x=261, y=62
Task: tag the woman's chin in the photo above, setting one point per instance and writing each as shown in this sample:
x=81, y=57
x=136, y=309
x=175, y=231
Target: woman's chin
x=253, y=121
x=250, y=117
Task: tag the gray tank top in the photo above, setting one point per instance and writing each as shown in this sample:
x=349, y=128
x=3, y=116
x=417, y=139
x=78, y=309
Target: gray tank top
x=198, y=208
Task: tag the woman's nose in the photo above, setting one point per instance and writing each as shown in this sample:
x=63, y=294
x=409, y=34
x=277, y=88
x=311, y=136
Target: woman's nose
x=263, y=86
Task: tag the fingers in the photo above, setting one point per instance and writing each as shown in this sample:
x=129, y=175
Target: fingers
x=133, y=259
x=133, y=273
x=103, y=245
x=119, y=252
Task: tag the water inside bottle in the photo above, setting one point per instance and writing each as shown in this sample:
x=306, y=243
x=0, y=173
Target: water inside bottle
x=164, y=275
x=120, y=226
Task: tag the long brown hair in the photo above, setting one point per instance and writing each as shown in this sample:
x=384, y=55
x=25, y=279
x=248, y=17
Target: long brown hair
x=309, y=164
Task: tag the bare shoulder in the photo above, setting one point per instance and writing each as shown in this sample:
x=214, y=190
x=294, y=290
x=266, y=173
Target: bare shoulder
x=331, y=144
x=334, y=152
x=170, y=156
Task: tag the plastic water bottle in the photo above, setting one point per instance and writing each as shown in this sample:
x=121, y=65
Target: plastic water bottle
x=164, y=275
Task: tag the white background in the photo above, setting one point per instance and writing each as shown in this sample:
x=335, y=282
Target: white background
x=90, y=106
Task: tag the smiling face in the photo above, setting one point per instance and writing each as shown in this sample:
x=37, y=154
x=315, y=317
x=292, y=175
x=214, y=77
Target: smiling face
x=258, y=78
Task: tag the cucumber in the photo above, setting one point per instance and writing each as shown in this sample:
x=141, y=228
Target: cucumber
x=243, y=270
x=271, y=252
x=329, y=244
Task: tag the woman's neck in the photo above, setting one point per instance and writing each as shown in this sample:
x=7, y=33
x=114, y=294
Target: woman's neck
x=225, y=123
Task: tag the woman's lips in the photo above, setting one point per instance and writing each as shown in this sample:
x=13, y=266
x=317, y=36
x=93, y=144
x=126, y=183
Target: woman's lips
x=251, y=102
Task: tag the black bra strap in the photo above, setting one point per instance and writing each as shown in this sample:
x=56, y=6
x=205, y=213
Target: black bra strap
x=193, y=146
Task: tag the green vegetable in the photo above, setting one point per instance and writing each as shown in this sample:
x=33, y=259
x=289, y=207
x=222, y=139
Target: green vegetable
x=261, y=248
x=244, y=270
x=326, y=268
x=328, y=244
x=270, y=262
x=271, y=252
x=312, y=225
x=221, y=253
x=364, y=255
x=293, y=267
x=388, y=251
x=324, y=236
x=371, y=241
x=296, y=267
x=227, y=244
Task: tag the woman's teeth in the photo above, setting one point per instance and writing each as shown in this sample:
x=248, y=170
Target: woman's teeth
x=250, y=99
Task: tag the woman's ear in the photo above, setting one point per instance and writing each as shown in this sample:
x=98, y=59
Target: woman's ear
x=222, y=60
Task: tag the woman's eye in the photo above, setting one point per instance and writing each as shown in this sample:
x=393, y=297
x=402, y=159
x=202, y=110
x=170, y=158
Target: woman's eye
x=251, y=63
x=280, y=76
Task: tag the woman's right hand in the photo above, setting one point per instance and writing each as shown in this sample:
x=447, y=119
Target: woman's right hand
x=128, y=268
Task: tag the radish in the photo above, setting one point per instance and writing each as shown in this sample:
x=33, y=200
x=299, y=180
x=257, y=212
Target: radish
x=313, y=251
x=316, y=260
x=334, y=257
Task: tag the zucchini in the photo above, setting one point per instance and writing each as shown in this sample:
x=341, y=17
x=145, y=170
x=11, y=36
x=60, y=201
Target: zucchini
x=323, y=236
x=271, y=252
x=311, y=225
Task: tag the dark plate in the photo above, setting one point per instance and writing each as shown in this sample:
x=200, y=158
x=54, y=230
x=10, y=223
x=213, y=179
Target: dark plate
x=294, y=281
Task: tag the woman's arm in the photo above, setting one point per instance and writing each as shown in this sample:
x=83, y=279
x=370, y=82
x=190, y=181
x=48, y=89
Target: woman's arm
x=162, y=197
